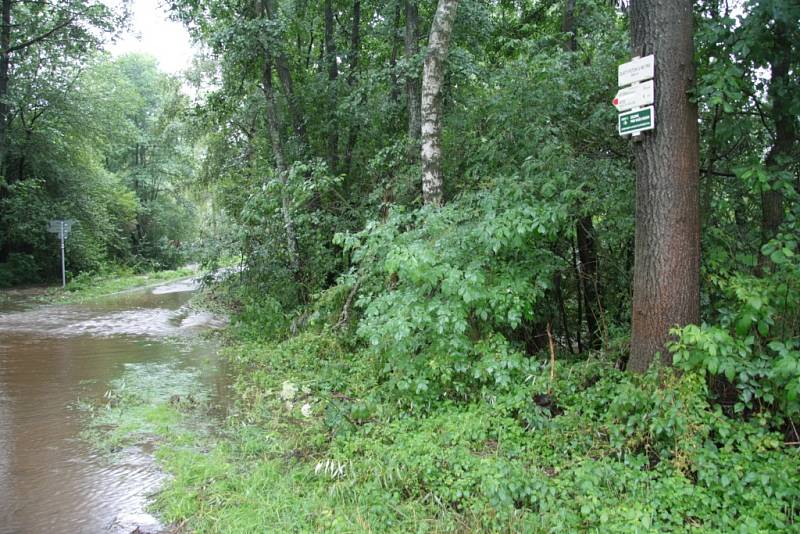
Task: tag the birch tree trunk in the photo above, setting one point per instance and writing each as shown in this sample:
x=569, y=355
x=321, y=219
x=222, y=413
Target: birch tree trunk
x=432, y=82
x=666, y=272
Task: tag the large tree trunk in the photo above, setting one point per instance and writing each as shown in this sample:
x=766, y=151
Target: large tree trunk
x=411, y=38
x=780, y=93
x=274, y=125
x=333, y=74
x=5, y=62
x=432, y=83
x=666, y=278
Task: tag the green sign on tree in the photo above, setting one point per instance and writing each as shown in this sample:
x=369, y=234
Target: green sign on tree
x=639, y=120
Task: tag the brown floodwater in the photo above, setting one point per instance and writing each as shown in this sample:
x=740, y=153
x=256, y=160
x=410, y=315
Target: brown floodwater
x=54, y=358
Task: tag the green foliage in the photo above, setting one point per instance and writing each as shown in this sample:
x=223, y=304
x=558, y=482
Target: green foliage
x=74, y=164
x=457, y=277
x=313, y=445
x=19, y=269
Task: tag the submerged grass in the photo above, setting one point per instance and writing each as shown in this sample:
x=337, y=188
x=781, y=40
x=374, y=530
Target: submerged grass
x=149, y=402
x=87, y=287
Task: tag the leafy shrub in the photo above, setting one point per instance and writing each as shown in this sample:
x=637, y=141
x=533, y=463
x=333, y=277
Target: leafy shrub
x=442, y=286
x=754, y=346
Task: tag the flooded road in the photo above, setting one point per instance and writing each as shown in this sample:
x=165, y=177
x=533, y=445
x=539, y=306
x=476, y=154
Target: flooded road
x=51, y=357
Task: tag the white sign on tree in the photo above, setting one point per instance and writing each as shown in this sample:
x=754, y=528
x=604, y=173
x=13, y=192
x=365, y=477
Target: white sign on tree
x=635, y=96
x=641, y=68
x=633, y=99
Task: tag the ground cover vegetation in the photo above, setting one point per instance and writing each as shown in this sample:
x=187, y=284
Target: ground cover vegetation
x=437, y=227
x=103, y=142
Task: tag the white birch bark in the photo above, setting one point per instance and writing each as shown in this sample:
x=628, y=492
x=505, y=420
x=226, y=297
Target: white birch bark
x=432, y=82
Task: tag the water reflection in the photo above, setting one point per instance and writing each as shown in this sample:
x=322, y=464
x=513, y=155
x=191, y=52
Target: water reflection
x=53, y=355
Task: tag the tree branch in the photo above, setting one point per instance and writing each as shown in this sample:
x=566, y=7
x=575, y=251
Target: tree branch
x=39, y=38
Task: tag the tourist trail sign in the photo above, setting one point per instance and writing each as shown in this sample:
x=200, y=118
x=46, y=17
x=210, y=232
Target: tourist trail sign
x=635, y=96
x=640, y=69
x=62, y=228
x=638, y=120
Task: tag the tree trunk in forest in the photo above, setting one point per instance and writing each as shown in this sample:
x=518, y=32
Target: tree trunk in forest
x=584, y=228
x=5, y=62
x=568, y=25
x=285, y=76
x=411, y=38
x=780, y=94
x=587, y=252
x=579, y=291
x=333, y=74
x=355, y=50
x=666, y=277
x=432, y=83
x=395, y=91
x=274, y=126
x=562, y=310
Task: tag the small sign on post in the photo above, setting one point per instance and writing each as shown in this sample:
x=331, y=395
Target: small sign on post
x=62, y=228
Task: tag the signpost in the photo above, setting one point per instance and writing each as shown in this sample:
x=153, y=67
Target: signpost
x=637, y=70
x=638, y=120
x=62, y=228
x=634, y=100
x=635, y=96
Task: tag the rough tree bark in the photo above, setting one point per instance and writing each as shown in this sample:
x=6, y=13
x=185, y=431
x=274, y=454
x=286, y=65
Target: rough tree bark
x=411, y=39
x=432, y=82
x=666, y=277
x=333, y=74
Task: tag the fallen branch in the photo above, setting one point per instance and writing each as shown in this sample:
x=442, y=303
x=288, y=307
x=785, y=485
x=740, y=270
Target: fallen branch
x=345, y=315
x=552, y=356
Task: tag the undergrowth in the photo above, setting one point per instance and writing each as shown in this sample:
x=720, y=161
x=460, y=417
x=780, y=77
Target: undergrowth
x=316, y=445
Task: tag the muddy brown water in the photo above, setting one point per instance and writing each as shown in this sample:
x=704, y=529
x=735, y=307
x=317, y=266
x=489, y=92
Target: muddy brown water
x=52, y=480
